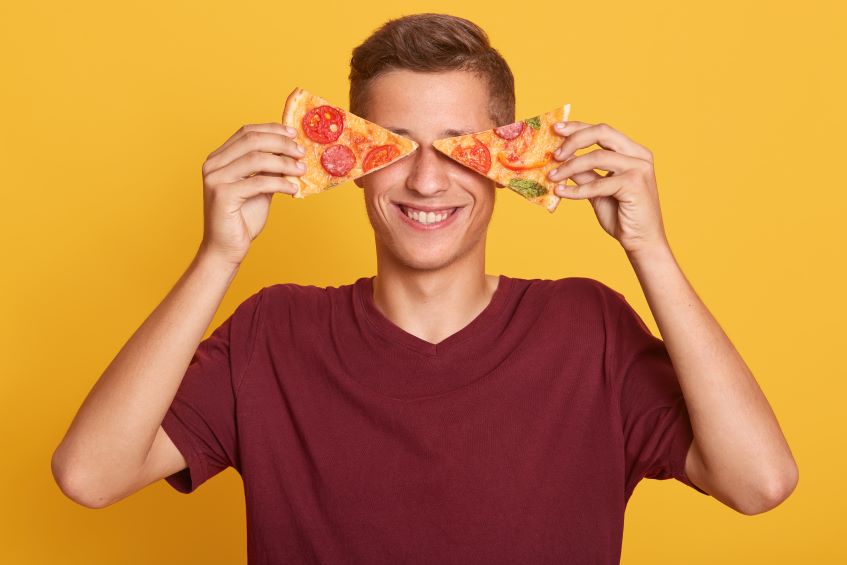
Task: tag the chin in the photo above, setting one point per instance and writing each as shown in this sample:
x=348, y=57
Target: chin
x=432, y=261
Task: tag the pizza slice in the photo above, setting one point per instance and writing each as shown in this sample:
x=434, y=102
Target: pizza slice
x=517, y=155
x=340, y=146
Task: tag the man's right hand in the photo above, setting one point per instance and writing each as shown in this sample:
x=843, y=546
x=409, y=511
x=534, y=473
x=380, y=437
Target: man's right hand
x=239, y=180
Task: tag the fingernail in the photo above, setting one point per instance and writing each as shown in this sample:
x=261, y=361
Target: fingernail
x=301, y=149
x=290, y=130
x=561, y=125
x=552, y=173
x=301, y=166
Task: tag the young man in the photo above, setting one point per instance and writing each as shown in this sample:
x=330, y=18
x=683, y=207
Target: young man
x=433, y=413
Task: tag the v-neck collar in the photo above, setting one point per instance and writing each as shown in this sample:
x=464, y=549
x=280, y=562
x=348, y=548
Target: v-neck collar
x=395, y=334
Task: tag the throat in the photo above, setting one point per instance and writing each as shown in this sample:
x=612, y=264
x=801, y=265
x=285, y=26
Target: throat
x=433, y=313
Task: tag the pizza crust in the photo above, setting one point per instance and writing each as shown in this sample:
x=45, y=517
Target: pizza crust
x=358, y=135
x=530, y=147
x=293, y=103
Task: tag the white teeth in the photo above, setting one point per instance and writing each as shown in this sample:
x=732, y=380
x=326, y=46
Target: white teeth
x=427, y=218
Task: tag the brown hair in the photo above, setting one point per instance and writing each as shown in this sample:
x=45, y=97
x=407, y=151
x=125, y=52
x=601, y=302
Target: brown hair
x=432, y=43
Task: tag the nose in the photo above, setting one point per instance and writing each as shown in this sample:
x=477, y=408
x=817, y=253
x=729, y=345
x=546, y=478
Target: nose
x=429, y=175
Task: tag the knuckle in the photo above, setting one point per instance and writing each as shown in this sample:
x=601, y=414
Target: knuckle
x=633, y=174
x=254, y=157
x=210, y=180
x=641, y=173
x=292, y=145
x=261, y=181
x=252, y=137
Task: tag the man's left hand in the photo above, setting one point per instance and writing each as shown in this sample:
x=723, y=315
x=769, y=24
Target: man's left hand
x=626, y=200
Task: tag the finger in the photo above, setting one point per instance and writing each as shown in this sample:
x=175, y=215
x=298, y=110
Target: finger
x=585, y=177
x=269, y=142
x=271, y=127
x=603, y=186
x=598, y=159
x=569, y=127
x=261, y=184
x=254, y=163
x=607, y=137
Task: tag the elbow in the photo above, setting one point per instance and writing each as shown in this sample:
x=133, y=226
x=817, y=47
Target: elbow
x=73, y=485
x=773, y=493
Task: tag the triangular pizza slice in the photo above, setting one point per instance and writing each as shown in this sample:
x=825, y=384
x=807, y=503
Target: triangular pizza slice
x=517, y=155
x=340, y=146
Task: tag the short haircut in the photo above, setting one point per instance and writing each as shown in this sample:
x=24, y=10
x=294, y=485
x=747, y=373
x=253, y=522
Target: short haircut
x=432, y=43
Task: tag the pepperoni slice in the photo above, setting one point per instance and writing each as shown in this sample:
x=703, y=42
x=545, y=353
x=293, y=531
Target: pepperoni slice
x=379, y=156
x=510, y=131
x=475, y=156
x=337, y=160
x=323, y=124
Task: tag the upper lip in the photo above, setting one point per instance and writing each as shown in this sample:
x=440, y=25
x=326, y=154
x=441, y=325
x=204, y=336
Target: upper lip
x=426, y=208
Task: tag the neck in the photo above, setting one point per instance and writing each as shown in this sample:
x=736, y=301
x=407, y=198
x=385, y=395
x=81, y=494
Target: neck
x=433, y=304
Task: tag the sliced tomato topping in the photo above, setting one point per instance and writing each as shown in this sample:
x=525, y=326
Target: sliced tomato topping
x=511, y=163
x=323, y=124
x=510, y=131
x=337, y=160
x=379, y=156
x=475, y=156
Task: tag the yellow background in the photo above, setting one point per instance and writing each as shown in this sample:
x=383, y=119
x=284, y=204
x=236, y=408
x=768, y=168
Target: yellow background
x=109, y=111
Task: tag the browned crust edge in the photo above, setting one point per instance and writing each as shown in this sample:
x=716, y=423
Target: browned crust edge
x=291, y=104
x=552, y=202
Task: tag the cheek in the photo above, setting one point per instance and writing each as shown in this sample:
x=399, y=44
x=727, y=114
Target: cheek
x=392, y=175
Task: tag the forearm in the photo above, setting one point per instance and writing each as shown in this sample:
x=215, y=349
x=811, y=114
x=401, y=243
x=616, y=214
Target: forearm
x=739, y=439
x=117, y=423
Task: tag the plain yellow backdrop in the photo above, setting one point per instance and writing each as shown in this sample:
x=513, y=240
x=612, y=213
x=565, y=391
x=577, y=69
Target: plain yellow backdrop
x=110, y=109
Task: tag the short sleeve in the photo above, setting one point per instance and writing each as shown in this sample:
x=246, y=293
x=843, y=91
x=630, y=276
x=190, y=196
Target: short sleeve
x=201, y=420
x=656, y=427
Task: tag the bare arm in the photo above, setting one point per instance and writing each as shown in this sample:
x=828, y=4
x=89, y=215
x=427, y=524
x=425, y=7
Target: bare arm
x=115, y=444
x=739, y=454
x=108, y=442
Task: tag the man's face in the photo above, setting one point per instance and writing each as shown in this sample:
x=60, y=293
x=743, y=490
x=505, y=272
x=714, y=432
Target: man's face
x=426, y=107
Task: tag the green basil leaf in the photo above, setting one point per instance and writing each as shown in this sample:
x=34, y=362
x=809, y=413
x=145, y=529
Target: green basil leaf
x=534, y=123
x=527, y=187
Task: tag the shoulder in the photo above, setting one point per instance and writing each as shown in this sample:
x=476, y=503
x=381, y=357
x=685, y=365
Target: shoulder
x=295, y=291
x=580, y=299
x=583, y=290
x=293, y=296
x=304, y=300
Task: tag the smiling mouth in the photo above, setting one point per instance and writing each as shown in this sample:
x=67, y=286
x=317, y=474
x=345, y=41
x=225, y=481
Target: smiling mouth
x=427, y=218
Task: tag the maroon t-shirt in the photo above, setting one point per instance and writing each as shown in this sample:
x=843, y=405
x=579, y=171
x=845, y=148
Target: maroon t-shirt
x=518, y=439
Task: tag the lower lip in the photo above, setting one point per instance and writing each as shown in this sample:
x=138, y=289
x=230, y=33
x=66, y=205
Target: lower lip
x=427, y=227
